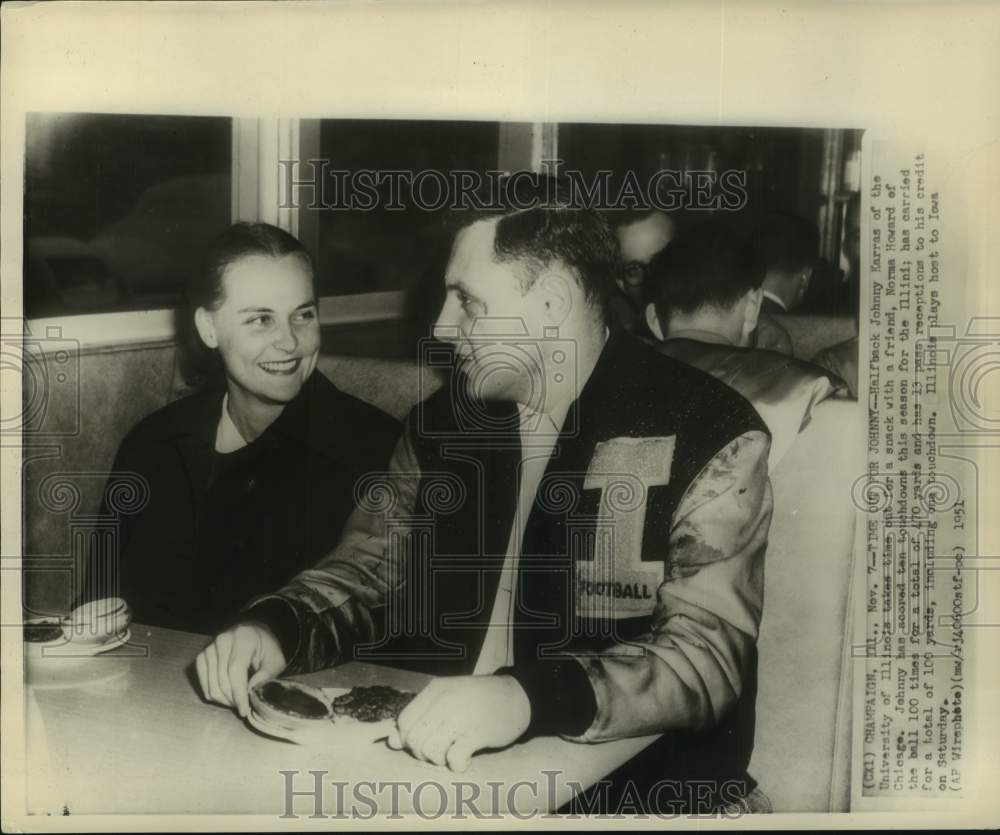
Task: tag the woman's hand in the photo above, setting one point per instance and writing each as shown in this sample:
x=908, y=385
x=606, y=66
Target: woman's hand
x=452, y=718
x=224, y=664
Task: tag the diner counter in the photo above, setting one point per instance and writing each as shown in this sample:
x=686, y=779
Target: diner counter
x=128, y=732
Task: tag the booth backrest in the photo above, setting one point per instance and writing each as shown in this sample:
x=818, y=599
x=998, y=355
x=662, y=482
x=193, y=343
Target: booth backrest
x=394, y=386
x=78, y=407
x=801, y=751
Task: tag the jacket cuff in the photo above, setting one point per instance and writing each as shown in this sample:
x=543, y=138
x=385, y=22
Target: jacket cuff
x=560, y=694
x=280, y=617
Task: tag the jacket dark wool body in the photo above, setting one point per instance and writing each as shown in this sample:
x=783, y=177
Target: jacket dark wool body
x=216, y=529
x=632, y=393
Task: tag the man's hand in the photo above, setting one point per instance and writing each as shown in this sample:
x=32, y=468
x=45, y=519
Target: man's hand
x=452, y=718
x=223, y=665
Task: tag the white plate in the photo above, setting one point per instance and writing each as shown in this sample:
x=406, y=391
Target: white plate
x=343, y=731
x=326, y=734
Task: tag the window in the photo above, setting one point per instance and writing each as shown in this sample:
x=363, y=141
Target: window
x=118, y=209
x=770, y=159
x=384, y=248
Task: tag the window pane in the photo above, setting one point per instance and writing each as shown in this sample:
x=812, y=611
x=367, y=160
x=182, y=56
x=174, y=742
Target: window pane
x=362, y=251
x=118, y=209
x=771, y=160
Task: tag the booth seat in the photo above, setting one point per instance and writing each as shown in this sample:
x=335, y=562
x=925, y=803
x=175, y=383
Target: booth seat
x=801, y=759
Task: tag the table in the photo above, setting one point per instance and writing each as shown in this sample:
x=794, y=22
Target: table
x=128, y=733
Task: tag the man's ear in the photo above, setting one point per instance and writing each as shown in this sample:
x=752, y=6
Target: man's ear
x=802, y=286
x=556, y=294
x=206, y=328
x=653, y=321
x=751, y=313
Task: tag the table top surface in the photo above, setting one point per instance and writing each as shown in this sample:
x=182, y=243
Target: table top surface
x=128, y=732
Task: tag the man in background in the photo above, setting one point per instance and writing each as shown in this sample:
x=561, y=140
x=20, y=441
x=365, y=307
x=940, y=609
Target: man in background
x=640, y=236
x=706, y=296
x=842, y=358
x=835, y=291
x=789, y=248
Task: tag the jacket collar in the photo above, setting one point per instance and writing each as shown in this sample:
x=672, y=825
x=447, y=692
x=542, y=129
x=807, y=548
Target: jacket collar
x=776, y=299
x=617, y=363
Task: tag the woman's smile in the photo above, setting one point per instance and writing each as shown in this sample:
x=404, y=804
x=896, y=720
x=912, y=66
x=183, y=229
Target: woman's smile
x=289, y=366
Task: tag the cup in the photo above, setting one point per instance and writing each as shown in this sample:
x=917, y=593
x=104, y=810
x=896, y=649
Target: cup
x=99, y=621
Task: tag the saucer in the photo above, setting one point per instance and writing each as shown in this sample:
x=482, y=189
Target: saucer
x=69, y=649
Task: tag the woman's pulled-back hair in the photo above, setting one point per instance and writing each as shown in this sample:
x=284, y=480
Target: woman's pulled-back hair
x=239, y=241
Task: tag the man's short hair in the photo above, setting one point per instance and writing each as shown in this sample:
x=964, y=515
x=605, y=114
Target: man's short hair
x=550, y=228
x=787, y=243
x=706, y=265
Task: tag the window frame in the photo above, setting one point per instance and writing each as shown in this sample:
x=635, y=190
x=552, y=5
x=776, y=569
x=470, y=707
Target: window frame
x=257, y=196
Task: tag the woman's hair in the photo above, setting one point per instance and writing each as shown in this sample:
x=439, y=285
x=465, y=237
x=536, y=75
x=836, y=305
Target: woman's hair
x=199, y=364
x=240, y=241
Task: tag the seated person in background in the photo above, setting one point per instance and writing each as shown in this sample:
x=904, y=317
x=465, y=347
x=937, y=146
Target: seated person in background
x=842, y=358
x=552, y=633
x=835, y=291
x=640, y=236
x=706, y=295
x=789, y=247
x=251, y=480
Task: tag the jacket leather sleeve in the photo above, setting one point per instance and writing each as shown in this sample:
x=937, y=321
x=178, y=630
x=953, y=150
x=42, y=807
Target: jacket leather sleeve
x=322, y=613
x=689, y=669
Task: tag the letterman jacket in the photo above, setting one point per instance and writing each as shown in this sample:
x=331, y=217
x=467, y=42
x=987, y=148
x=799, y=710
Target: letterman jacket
x=640, y=580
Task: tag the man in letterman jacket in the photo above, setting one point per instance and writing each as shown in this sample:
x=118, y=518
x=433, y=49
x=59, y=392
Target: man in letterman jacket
x=571, y=532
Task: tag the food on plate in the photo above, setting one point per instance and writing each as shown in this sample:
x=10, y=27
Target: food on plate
x=372, y=704
x=299, y=711
x=37, y=633
x=289, y=704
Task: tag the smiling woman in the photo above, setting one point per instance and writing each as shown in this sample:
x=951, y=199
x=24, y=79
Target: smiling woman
x=250, y=480
x=256, y=307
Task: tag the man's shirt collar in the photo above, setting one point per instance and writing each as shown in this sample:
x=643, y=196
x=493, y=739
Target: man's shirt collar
x=769, y=295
